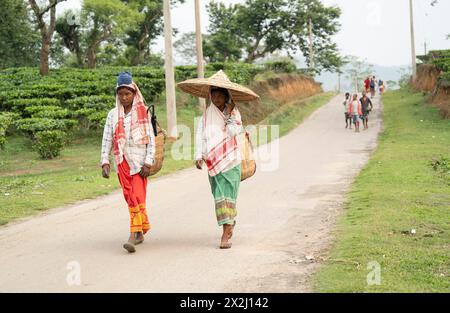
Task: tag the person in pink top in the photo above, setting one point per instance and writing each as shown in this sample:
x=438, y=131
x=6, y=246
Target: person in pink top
x=355, y=111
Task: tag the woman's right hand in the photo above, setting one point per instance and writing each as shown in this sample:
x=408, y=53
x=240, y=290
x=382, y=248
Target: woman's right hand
x=106, y=169
x=199, y=164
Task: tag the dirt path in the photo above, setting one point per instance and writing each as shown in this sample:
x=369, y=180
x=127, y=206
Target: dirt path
x=283, y=216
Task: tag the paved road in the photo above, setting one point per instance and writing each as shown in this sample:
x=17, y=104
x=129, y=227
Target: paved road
x=283, y=216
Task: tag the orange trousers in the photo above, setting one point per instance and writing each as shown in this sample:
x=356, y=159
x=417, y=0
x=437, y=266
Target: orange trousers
x=134, y=189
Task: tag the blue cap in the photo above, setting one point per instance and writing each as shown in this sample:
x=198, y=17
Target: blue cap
x=124, y=78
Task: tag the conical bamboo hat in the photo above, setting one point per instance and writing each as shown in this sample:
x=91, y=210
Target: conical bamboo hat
x=199, y=87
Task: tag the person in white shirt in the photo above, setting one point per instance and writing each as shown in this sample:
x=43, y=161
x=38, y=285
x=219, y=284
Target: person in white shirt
x=128, y=131
x=348, y=118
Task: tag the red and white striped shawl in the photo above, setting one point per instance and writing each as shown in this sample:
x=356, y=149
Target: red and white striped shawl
x=139, y=124
x=222, y=151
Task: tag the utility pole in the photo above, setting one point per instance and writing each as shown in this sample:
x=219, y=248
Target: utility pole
x=170, y=75
x=413, y=44
x=200, y=68
x=311, y=47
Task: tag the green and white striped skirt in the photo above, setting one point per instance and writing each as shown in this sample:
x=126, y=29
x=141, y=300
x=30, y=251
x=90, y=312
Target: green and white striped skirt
x=225, y=187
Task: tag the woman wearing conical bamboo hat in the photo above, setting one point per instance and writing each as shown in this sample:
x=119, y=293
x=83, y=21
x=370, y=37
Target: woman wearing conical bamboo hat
x=217, y=146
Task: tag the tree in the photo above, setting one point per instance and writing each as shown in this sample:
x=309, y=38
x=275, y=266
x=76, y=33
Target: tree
x=139, y=39
x=69, y=32
x=325, y=24
x=357, y=71
x=45, y=30
x=224, y=42
x=185, y=47
x=105, y=20
x=263, y=27
x=19, y=42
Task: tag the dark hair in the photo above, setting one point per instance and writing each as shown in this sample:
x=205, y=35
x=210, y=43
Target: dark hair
x=347, y=94
x=222, y=90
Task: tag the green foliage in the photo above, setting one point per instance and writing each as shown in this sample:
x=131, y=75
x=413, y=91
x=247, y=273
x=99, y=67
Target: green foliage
x=19, y=105
x=324, y=25
x=91, y=118
x=261, y=27
x=6, y=119
x=32, y=125
x=106, y=20
x=441, y=165
x=100, y=102
x=281, y=66
x=440, y=59
x=70, y=35
x=139, y=39
x=19, y=41
x=223, y=43
x=49, y=143
x=51, y=112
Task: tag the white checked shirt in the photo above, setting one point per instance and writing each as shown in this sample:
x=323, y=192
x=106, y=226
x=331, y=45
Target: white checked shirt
x=135, y=154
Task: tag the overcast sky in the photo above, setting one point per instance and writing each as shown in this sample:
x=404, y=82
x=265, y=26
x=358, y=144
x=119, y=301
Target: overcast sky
x=376, y=30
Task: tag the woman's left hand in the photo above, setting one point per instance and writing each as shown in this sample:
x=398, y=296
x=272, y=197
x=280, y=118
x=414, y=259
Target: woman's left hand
x=230, y=107
x=145, y=171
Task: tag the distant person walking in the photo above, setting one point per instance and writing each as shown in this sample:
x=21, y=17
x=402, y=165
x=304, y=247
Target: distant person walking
x=381, y=86
x=355, y=111
x=367, y=84
x=366, y=108
x=348, y=118
x=372, y=87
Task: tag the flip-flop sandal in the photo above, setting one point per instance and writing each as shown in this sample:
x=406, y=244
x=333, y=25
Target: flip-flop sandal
x=137, y=242
x=129, y=247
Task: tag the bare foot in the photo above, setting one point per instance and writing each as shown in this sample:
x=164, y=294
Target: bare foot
x=227, y=233
x=231, y=230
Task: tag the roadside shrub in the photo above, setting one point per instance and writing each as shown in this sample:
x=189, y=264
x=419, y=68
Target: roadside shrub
x=6, y=120
x=54, y=112
x=441, y=165
x=98, y=102
x=281, y=66
x=49, y=143
x=91, y=118
x=20, y=105
x=36, y=124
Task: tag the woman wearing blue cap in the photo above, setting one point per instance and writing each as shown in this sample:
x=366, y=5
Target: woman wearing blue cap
x=129, y=133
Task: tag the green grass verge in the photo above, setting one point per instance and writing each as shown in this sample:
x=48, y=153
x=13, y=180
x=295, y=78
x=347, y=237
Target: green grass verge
x=29, y=184
x=405, y=186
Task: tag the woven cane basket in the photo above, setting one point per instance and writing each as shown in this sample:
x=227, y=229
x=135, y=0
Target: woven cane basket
x=248, y=163
x=160, y=141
